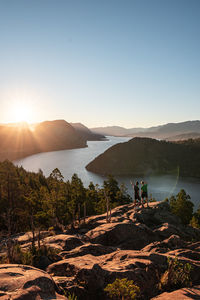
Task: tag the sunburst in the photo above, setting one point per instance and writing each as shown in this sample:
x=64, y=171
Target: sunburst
x=22, y=113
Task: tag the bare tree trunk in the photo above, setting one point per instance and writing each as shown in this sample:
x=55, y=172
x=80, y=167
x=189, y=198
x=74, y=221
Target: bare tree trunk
x=79, y=213
x=73, y=221
x=33, y=231
x=9, y=243
x=9, y=217
x=84, y=211
x=39, y=239
x=107, y=207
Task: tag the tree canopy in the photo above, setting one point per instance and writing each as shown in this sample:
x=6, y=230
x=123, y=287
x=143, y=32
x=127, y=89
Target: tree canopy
x=30, y=201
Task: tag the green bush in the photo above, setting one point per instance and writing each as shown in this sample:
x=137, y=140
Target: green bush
x=182, y=207
x=176, y=276
x=195, y=221
x=72, y=297
x=122, y=289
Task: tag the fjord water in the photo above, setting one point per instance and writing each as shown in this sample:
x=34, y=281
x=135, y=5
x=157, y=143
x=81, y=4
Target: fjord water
x=75, y=160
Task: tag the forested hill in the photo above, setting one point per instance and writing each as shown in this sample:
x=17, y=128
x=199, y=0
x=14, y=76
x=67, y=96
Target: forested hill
x=141, y=155
x=23, y=140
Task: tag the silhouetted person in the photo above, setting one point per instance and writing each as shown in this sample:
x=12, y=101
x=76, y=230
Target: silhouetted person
x=144, y=193
x=136, y=193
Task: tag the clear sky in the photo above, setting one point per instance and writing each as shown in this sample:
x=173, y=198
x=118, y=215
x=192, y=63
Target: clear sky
x=100, y=62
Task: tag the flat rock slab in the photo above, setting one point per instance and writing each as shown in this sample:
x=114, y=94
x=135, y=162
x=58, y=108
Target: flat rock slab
x=22, y=282
x=181, y=294
x=63, y=242
x=126, y=236
x=93, y=249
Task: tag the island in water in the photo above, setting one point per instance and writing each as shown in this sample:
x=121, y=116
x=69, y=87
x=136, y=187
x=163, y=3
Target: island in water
x=141, y=155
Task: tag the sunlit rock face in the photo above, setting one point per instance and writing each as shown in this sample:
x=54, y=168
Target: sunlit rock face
x=21, y=282
x=181, y=294
x=134, y=244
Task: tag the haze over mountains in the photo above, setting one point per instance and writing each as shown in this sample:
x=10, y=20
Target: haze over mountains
x=87, y=133
x=20, y=140
x=168, y=131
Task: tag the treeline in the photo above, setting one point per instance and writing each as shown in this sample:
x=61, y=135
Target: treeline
x=30, y=201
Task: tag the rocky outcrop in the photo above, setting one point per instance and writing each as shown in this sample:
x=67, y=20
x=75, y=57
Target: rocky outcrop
x=122, y=235
x=181, y=294
x=88, y=248
x=134, y=244
x=21, y=282
x=96, y=272
x=63, y=242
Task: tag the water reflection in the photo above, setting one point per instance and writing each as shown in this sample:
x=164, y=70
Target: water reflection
x=75, y=160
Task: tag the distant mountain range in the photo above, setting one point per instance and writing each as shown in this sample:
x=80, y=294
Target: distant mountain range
x=183, y=137
x=20, y=140
x=87, y=133
x=170, y=131
x=141, y=156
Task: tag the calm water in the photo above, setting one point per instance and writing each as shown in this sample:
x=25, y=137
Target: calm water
x=74, y=161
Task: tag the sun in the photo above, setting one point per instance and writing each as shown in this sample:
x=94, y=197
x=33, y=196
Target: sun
x=22, y=113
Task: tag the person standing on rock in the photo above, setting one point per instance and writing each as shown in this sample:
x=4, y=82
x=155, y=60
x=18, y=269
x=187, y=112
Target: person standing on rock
x=144, y=193
x=136, y=193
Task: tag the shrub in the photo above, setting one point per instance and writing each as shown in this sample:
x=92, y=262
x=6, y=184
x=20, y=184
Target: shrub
x=195, y=222
x=72, y=297
x=182, y=207
x=122, y=289
x=176, y=276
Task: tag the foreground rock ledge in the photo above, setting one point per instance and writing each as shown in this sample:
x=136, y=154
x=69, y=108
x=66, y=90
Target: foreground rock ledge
x=181, y=294
x=135, y=245
x=22, y=282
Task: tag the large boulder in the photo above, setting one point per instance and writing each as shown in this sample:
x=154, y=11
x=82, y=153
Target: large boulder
x=22, y=239
x=63, y=242
x=93, y=249
x=181, y=294
x=21, y=282
x=157, y=214
x=171, y=243
x=95, y=272
x=123, y=235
